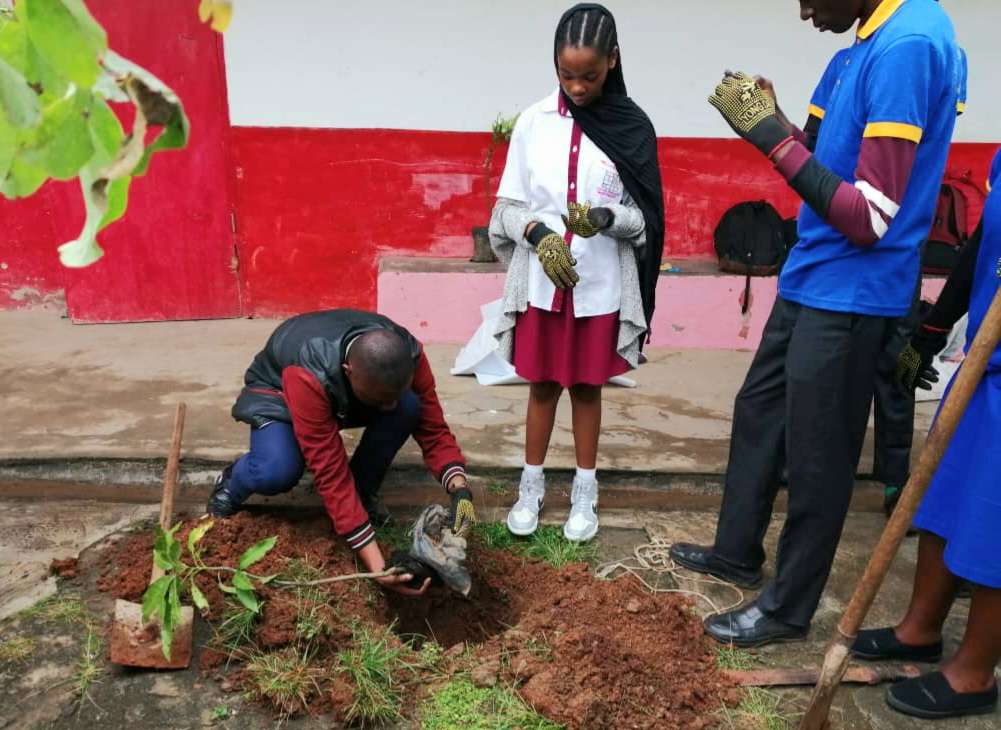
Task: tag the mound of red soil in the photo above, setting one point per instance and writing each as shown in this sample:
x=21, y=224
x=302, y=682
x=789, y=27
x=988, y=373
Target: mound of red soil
x=584, y=652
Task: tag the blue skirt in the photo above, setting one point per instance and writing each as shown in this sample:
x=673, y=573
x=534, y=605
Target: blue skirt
x=963, y=503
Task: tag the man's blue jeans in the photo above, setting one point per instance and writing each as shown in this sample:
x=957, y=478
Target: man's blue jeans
x=275, y=464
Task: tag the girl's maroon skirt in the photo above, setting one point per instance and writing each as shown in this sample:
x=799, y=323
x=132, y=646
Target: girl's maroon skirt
x=559, y=347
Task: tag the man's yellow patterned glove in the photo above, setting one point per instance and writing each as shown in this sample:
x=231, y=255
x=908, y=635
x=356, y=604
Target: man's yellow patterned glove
x=462, y=515
x=749, y=111
x=585, y=221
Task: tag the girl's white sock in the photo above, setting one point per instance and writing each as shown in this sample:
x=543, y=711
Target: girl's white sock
x=533, y=470
x=587, y=475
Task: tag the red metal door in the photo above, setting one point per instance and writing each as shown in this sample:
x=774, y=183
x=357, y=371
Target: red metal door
x=172, y=256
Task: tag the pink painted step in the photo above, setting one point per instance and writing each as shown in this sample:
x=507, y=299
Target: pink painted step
x=698, y=307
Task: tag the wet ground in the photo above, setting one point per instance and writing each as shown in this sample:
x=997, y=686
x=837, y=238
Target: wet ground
x=39, y=690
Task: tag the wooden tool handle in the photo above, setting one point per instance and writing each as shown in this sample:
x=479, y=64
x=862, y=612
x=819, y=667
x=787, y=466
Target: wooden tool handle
x=170, y=478
x=963, y=387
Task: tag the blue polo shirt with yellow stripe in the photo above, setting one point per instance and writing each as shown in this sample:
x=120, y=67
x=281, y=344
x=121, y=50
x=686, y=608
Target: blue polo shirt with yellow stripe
x=987, y=278
x=900, y=79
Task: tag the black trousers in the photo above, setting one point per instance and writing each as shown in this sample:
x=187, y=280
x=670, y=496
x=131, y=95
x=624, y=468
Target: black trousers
x=894, y=406
x=804, y=407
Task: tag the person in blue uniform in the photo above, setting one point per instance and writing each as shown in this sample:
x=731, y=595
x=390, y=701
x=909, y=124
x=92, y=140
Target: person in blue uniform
x=960, y=517
x=869, y=181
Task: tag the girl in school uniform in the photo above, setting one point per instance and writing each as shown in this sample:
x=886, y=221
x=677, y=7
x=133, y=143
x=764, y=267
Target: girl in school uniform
x=960, y=517
x=579, y=221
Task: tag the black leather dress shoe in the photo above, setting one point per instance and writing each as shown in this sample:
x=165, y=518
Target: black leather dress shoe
x=749, y=626
x=701, y=559
x=378, y=514
x=221, y=503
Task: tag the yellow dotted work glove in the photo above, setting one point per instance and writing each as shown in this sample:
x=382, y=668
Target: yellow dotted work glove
x=585, y=221
x=557, y=261
x=462, y=515
x=749, y=111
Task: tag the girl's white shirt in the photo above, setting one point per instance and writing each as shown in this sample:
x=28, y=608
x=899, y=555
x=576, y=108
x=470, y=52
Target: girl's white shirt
x=537, y=174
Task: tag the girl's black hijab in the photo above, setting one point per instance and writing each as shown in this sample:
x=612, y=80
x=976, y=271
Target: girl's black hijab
x=624, y=132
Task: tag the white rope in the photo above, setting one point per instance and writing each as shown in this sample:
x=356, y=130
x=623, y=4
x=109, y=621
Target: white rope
x=654, y=557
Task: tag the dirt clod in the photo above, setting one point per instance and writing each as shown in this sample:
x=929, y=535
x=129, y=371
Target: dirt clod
x=63, y=567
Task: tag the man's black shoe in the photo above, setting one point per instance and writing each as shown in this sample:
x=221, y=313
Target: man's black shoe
x=220, y=502
x=874, y=645
x=701, y=559
x=378, y=515
x=931, y=697
x=749, y=627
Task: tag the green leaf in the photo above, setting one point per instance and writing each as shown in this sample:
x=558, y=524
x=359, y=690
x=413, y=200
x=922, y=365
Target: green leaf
x=264, y=580
x=154, y=598
x=19, y=102
x=161, y=561
x=67, y=36
x=257, y=551
x=169, y=618
x=23, y=179
x=248, y=599
x=198, y=598
x=8, y=146
x=242, y=582
x=164, y=103
x=14, y=46
x=226, y=588
x=62, y=143
x=118, y=201
x=106, y=133
x=196, y=535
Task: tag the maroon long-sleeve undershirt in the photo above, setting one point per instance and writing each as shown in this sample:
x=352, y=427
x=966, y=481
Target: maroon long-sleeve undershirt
x=864, y=211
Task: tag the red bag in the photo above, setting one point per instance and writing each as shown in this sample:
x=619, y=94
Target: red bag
x=955, y=218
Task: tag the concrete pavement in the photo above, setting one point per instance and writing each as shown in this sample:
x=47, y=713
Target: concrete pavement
x=84, y=392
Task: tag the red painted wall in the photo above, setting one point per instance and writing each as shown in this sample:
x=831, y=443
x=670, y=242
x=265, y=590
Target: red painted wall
x=316, y=208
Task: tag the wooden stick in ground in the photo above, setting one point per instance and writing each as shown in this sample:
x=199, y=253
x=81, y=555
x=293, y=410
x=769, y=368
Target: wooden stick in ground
x=170, y=479
x=967, y=380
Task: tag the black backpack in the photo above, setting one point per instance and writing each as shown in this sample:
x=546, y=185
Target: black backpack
x=752, y=239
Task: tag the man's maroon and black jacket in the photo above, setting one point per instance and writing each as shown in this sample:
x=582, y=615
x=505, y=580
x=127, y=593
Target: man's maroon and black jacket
x=298, y=379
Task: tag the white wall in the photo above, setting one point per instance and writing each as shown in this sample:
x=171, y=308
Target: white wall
x=453, y=65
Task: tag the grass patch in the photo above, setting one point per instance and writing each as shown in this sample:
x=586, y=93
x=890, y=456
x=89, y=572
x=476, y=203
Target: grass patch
x=236, y=630
x=88, y=668
x=313, y=615
x=497, y=488
x=547, y=544
x=732, y=658
x=495, y=535
x=300, y=570
x=286, y=679
x=16, y=649
x=375, y=665
x=462, y=704
x=759, y=710
x=68, y=609
x=393, y=536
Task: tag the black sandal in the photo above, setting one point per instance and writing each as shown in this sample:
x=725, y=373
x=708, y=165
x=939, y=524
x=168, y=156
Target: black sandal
x=874, y=645
x=931, y=697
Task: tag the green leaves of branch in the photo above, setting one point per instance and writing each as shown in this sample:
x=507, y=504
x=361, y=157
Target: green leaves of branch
x=57, y=76
x=162, y=600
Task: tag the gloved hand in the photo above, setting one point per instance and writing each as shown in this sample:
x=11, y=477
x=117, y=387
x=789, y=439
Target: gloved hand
x=435, y=545
x=750, y=111
x=418, y=569
x=462, y=515
x=554, y=255
x=915, y=368
x=586, y=221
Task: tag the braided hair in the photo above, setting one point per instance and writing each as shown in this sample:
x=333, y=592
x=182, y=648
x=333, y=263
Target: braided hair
x=588, y=27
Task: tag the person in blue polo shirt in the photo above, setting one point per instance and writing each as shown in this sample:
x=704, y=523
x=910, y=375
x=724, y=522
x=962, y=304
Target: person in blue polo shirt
x=961, y=513
x=869, y=192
